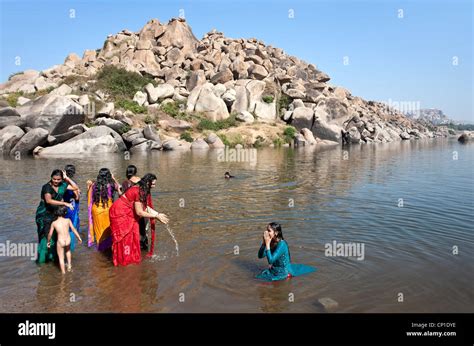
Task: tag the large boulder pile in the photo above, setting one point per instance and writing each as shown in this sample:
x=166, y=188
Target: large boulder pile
x=215, y=76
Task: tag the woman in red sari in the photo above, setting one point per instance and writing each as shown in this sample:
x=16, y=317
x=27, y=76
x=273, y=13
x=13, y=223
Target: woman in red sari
x=125, y=215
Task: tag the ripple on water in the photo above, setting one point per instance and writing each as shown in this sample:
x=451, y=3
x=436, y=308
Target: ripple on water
x=317, y=197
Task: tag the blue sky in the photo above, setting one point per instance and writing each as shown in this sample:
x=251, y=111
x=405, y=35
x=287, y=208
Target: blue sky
x=407, y=59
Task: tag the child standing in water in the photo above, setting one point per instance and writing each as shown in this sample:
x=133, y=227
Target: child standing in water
x=62, y=225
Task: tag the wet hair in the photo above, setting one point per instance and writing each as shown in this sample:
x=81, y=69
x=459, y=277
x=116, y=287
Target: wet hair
x=70, y=170
x=145, y=185
x=104, y=180
x=131, y=171
x=227, y=175
x=276, y=227
x=57, y=172
x=60, y=211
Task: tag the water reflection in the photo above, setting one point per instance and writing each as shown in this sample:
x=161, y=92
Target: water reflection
x=317, y=194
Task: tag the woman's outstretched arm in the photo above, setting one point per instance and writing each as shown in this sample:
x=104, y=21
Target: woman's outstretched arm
x=117, y=186
x=141, y=212
x=49, y=200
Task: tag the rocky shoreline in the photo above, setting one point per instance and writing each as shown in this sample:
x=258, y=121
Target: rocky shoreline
x=162, y=89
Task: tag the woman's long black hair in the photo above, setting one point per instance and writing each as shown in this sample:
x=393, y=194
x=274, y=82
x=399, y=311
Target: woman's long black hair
x=104, y=180
x=145, y=185
x=276, y=227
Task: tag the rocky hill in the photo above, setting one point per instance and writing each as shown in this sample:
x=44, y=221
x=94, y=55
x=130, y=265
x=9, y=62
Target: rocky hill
x=431, y=116
x=162, y=88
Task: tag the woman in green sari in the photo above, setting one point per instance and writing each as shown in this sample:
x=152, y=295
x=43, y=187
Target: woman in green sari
x=51, y=197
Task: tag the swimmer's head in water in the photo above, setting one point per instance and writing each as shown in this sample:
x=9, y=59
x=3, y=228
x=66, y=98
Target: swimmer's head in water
x=131, y=171
x=275, y=231
x=227, y=175
x=70, y=170
x=60, y=211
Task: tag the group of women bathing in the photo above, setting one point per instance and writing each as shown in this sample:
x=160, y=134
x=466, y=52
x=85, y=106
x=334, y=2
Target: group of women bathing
x=122, y=219
x=113, y=224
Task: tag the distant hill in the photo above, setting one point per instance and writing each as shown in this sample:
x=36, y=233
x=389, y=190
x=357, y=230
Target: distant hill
x=436, y=117
x=430, y=115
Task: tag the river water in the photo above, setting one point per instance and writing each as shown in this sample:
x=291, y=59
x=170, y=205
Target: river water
x=410, y=204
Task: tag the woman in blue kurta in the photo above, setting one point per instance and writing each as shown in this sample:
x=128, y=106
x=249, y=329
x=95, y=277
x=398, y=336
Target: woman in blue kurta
x=276, y=250
x=73, y=198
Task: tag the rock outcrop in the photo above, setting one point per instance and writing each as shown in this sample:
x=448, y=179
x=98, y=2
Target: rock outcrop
x=466, y=137
x=98, y=140
x=9, y=137
x=216, y=77
x=52, y=112
x=28, y=142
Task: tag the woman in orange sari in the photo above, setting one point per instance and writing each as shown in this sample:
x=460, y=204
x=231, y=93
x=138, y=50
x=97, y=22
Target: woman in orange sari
x=125, y=215
x=100, y=195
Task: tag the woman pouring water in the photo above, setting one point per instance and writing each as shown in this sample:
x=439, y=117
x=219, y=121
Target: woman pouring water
x=125, y=215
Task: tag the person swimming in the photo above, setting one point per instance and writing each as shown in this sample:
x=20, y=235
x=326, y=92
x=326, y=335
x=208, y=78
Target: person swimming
x=275, y=249
x=228, y=176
